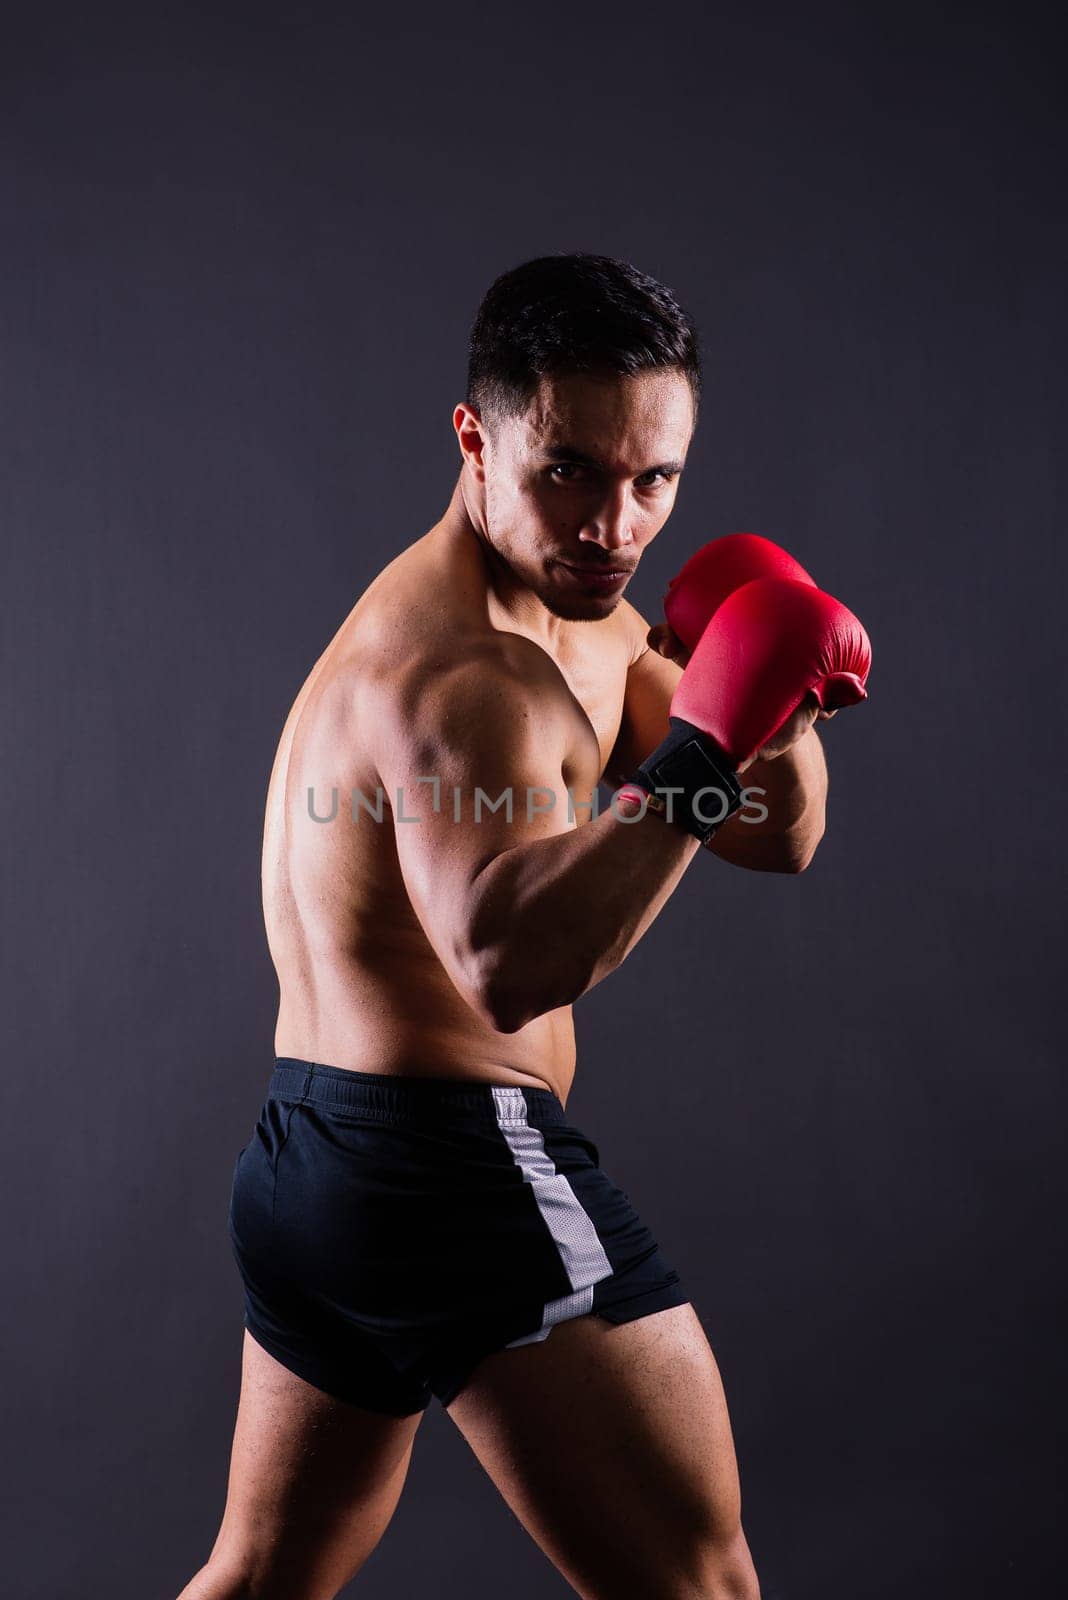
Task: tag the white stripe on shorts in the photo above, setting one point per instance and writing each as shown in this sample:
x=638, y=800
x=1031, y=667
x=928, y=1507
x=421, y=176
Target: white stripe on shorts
x=581, y=1252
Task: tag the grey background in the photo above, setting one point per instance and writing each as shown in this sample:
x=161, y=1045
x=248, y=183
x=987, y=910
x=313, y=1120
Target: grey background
x=241, y=255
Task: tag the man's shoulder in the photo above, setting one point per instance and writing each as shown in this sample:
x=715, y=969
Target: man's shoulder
x=418, y=647
x=404, y=619
x=634, y=628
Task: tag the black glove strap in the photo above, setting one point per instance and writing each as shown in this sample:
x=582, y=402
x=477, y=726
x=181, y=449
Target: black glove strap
x=695, y=779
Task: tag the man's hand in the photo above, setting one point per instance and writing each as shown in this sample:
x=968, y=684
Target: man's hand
x=667, y=644
x=695, y=594
x=715, y=571
x=793, y=729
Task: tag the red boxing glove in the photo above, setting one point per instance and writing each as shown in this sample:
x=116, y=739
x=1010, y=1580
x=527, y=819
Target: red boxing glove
x=696, y=592
x=769, y=644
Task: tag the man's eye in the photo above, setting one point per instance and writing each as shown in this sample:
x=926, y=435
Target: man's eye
x=572, y=471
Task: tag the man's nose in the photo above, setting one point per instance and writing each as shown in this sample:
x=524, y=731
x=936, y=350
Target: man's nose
x=610, y=527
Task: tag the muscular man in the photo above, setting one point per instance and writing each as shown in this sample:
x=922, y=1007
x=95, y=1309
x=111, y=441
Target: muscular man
x=414, y=1215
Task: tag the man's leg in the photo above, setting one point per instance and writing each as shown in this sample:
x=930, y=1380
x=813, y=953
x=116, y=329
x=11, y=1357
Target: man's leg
x=613, y=1447
x=313, y=1484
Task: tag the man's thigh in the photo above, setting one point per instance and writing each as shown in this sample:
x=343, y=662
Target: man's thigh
x=613, y=1446
x=313, y=1483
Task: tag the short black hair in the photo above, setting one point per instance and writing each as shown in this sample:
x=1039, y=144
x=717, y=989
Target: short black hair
x=563, y=314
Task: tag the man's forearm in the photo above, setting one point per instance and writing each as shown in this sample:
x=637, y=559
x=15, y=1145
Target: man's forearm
x=794, y=794
x=555, y=917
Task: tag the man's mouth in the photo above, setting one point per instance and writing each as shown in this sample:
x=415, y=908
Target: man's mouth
x=600, y=577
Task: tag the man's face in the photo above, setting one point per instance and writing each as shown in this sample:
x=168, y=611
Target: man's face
x=578, y=487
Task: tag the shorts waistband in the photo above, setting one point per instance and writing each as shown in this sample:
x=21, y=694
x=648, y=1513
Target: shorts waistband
x=387, y=1097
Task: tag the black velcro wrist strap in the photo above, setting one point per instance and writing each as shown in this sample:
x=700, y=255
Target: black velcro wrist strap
x=694, y=777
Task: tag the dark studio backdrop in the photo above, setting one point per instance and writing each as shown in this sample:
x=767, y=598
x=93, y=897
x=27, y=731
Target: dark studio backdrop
x=241, y=255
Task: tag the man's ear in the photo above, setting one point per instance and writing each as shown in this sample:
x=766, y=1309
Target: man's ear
x=471, y=437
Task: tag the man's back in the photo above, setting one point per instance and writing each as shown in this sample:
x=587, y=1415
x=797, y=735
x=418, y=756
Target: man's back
x=361, y=984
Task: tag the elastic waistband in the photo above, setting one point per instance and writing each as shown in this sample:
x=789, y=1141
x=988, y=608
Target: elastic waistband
x=385, y=1097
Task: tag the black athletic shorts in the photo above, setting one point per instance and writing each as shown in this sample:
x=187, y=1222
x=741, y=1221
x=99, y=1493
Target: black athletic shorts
x=391, y=1232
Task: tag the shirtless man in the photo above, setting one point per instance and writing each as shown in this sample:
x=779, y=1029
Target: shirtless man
x=414, y=1214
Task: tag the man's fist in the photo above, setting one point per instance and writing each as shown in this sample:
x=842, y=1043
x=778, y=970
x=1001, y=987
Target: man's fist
x=772, y=648
x=770, y=644
x=696, y=592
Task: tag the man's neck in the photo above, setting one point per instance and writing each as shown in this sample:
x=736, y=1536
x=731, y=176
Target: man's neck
x=513, y=606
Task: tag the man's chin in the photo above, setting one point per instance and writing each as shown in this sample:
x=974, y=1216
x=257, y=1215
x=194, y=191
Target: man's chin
x=580, y=608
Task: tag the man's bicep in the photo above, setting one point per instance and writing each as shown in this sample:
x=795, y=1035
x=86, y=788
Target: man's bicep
x=471, y=770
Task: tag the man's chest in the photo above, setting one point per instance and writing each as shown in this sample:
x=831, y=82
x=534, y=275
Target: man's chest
x=596, y=691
